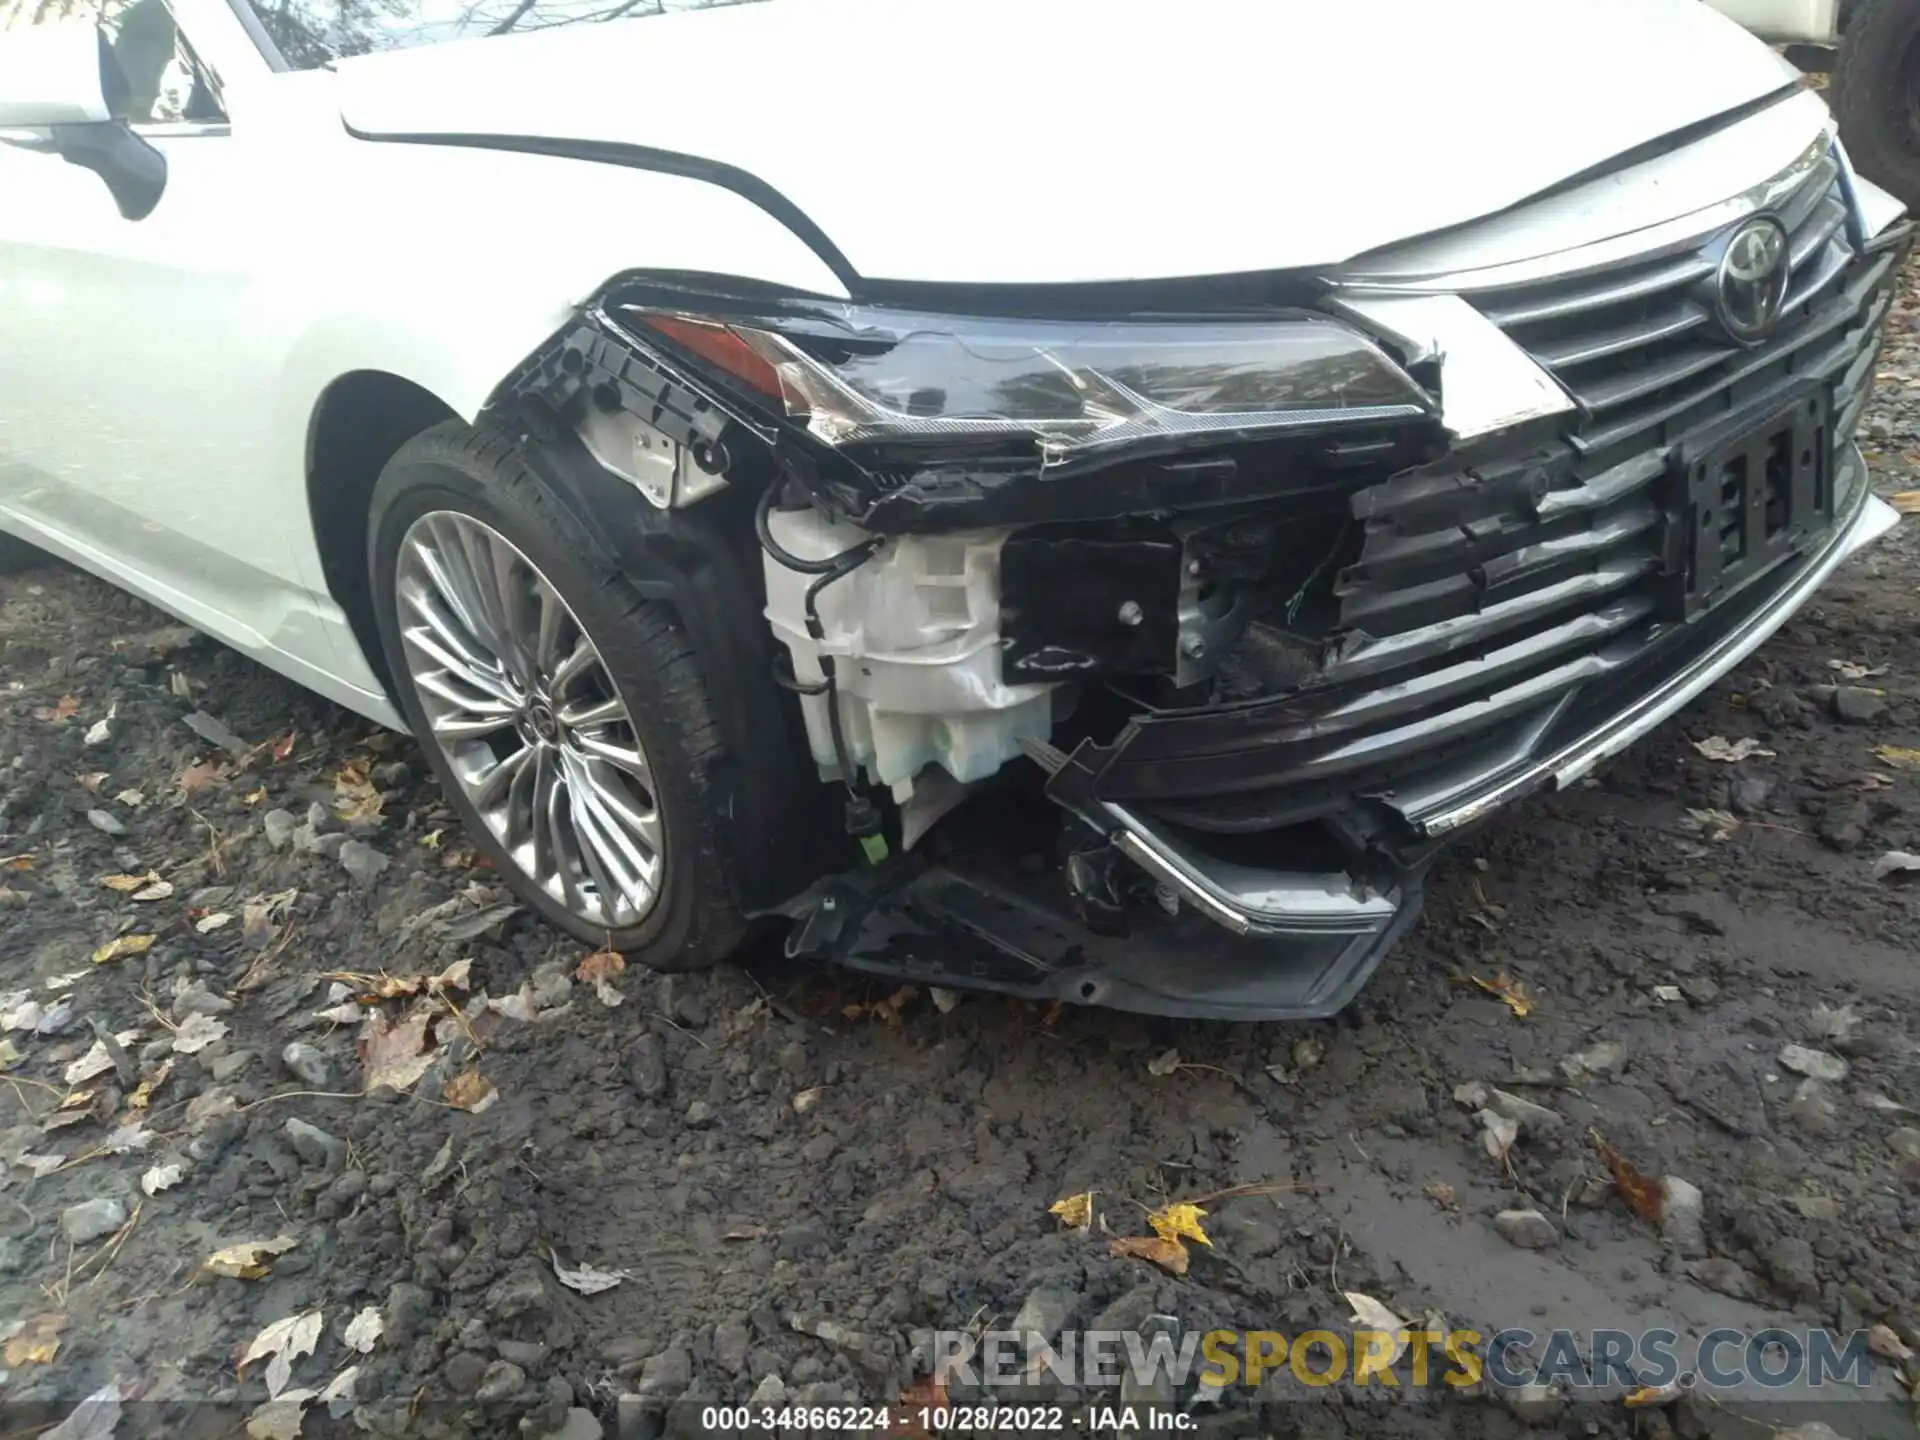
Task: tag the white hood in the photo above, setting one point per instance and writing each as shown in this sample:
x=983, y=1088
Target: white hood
x=1055, y=141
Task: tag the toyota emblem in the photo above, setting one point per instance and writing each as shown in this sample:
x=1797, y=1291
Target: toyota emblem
x=1751, y=287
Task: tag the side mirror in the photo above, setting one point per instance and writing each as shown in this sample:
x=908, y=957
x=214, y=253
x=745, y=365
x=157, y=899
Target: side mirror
x=54, y=75
x=63, y=78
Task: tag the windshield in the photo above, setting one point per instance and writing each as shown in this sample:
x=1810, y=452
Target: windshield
x=312, y=32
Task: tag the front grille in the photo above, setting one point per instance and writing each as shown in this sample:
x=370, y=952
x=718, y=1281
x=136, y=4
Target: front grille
x=1483, y=598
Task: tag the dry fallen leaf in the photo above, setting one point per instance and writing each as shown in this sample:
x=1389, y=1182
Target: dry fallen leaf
x=601, y=965
x=161, y=1177
x=395, y=1055
x=1509, y=990
x=196, y=1033
x=1895, y=862
x=64, y=709
x=355, y=798
x=587, y=1279
x=1652, y=1396
x=196, y=778
x=1907, y=502
x=1903, y=756
x=470, y=1091
x=38, y=1341
x=122, y=946
x=1854, y=670
x=207, y=924
x=1499, y=1134
x=1443, y=1194
x=1731, y=752
x=1884, y=1342
x=1717, y=825
x=363, y=1330
x=285, y=1341
x=1643, y=1194
x=283, y=748
x=1169, y=1255
x=248, y=1259
x=887, y=1010
x=282, y=1417
x=1179, y=1222
x=16, y=862
x=1164, y=1064
x=1370, y=1314
x=126, y=884
x=1075, y=1211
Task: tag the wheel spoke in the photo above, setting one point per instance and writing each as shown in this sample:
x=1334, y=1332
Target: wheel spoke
x=599, y=712
x=499, y=783
x=440, y=636
x=475, y=714
x=553, y=619
x=445, y=565
x=617, y=886
x=555, y=819
x=627, y=824
x=621, y=757
x=582, y=658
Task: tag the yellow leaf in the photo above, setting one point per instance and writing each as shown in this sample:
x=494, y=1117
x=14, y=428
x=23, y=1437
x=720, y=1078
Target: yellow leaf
x=1901, y=755
x=1076, y=1211
x=1509, y=990
x=38, y=1342
x=355, y=797
x=1907, y=502
x=601, y=965
x=16, y=862
x=254, y=797
x=432, y=839
x=1178, y=1222
x=246, y=1260
x=121, y=947
x=126, y=883
x=143, y=1093
x=1169, y=1255
x=471, y=1091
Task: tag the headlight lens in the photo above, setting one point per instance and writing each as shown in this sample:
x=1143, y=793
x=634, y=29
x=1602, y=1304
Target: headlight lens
x=855, y=376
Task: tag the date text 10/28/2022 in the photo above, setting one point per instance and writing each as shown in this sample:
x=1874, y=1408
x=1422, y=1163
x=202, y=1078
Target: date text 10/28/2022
x=874, y=1420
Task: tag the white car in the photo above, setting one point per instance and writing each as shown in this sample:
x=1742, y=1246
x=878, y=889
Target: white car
x=1048, y=495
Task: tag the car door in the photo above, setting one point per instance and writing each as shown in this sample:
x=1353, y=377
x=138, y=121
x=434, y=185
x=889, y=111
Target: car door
x=136, y=354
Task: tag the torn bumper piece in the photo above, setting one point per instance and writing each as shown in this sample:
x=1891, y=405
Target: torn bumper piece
x=1240, y=941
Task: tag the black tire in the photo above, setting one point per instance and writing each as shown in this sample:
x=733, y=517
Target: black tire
x=1876, y=95
x=479, y=471
x=17, y=555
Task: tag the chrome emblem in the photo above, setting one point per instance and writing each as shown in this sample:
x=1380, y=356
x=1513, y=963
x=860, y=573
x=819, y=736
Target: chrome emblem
x=1750, y=290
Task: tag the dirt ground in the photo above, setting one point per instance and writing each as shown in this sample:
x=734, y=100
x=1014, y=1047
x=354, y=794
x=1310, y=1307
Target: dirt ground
x=796, y=1194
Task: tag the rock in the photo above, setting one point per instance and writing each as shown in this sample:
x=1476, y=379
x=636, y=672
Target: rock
x=1722, y=1275
x=1905, y=1143
x=1817, y=1207
x=215, y=731
x=502, y=1381
x=522, y=1293
x=1699, y=989
x=1844, y=825
x=464, y=1372
x=579, y=1425
x=699, y=1113
x=227, y=1064
x=1535, y=1404
x=1528, y=1229
x=1748, y=793
x=666, y=1374
x=1790, y=1262
x=647, y=1065
x=770, y=1391
x=307, y=1065
x=1536, y=1118
x=314, y=1145
x=361, y=861
x=1249, y=1225
x=1152, y=1390
x=819, y=1149
x=279, y=825
x=105, y=823
x=1857, y=705
x=1601, y=1059
x=197, y=999
x=1047, y=1307
x=1812, y=1430
x=1683, y=1217
x=731, y=1341
x=1814, y=1064
x=92, y=1219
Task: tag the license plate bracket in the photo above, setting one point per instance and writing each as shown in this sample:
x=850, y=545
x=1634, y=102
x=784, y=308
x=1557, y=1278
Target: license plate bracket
x=1749, y=495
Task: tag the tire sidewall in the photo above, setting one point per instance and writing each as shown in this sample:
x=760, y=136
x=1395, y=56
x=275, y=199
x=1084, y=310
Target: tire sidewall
x=444, y=478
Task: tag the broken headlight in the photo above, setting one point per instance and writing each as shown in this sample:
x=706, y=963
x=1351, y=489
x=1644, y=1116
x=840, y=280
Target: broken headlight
x=852, y=377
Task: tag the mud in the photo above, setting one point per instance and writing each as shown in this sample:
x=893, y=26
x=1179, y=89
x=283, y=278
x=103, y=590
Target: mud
x=768, y=1171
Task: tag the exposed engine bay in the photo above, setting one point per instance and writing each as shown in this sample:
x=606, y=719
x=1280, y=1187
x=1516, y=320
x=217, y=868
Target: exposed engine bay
x=1210, y=610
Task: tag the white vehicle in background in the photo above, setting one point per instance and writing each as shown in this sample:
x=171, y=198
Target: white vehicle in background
x=1872, y=48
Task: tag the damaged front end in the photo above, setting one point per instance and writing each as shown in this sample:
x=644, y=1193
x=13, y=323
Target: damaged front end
x=1155, y=655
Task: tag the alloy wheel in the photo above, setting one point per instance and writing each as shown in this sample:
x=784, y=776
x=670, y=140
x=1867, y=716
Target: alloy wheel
x=521, y=704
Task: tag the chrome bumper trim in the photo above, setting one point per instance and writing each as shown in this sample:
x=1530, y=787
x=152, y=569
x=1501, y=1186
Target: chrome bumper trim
x=1870, y=521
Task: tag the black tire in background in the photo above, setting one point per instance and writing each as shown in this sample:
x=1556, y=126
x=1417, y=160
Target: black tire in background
x=1876, y=94
x=16, y=554
x=479, y=472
